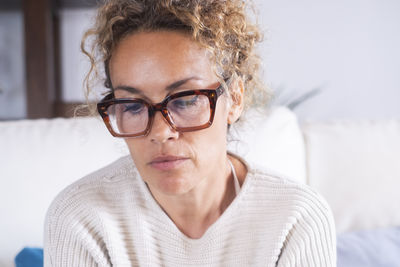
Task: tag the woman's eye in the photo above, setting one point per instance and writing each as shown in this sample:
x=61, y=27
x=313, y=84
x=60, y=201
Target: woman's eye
x=185, y=102
x=133, y=108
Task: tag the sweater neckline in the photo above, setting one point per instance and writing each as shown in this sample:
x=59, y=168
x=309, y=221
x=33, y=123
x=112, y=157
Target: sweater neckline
x=211, y=230
x=236, y=183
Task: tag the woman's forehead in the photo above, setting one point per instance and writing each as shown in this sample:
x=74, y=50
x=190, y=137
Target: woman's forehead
x=173, y=49
x=158, y=59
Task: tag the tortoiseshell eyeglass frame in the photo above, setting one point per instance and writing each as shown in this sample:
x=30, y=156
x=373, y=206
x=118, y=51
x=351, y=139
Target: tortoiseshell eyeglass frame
x=110, y=99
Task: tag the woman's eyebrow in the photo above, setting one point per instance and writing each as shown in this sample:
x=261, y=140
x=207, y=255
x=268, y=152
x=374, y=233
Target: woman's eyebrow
x=180, y=82
x=130, y=89
x=170, y=87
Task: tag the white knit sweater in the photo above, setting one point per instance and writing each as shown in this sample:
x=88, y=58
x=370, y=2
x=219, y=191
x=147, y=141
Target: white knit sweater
x=110, y=218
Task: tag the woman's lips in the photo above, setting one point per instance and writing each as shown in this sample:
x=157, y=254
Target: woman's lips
x=165, y=163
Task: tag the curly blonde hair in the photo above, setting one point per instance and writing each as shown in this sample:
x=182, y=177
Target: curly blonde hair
x=220, y=26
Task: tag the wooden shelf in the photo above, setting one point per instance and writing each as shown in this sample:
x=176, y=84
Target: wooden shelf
x=42, y=54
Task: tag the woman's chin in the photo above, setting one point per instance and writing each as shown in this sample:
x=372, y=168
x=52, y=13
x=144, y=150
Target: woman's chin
x=176, y=187
x=171, y=185
x=177, y=181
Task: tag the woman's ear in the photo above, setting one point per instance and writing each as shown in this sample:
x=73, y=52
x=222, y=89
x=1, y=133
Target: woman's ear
x=237, y=101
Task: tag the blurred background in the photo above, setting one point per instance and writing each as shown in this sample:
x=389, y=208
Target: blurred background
x=323, y=59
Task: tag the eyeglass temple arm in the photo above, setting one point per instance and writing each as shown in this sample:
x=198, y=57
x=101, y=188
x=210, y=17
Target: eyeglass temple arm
x=109, y=96
x=220, y=89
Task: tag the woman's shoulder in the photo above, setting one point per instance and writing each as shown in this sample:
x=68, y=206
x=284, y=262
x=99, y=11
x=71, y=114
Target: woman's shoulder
x=96, y=187
x=292, y=204
x=267, y=186
x=270, y=186
x=300, y=213
x=78, y=216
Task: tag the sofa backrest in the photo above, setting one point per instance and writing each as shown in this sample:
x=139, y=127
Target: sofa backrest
x=38, y=159
x=355, y=165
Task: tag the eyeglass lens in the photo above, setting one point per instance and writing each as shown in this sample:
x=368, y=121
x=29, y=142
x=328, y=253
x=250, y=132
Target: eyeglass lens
x=186, y=111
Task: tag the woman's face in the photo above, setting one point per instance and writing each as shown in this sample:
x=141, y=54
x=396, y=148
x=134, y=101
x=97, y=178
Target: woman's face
x=152, y=65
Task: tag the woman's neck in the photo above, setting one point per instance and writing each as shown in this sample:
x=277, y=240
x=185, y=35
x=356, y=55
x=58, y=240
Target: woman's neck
x=195, y=211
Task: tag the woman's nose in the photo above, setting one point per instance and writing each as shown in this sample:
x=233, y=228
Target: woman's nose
x=161, y=131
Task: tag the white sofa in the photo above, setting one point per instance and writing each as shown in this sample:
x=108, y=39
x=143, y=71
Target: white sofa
x=355, y=165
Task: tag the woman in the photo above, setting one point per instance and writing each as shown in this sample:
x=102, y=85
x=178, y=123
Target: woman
x=179, y=73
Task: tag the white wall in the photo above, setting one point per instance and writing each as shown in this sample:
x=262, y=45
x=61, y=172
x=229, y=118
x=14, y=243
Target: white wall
x=348, y=48
x=74, y=65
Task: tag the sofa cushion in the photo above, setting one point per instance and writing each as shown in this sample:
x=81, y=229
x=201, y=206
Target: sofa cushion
x=369, y=248
x=29, y=257
x=356, y=167
x=270, y=138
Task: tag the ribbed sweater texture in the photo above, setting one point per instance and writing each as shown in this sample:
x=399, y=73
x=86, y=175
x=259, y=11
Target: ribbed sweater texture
x=109, y=218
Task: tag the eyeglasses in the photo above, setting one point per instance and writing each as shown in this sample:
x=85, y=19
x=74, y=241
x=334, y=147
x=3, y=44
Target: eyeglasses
x=184, y=111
